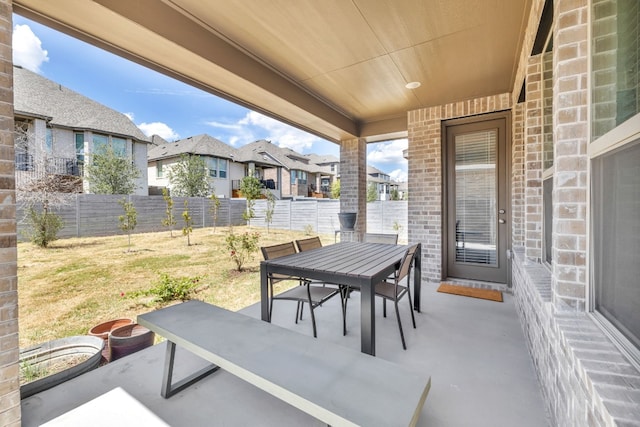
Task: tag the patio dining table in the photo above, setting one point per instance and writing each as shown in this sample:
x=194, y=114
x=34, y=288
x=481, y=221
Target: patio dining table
x=359, y=265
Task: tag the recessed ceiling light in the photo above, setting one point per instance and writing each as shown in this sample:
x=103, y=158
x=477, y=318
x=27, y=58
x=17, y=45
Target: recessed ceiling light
x=413, y=85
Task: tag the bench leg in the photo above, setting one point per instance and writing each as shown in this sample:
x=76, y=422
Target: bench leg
x=168, y=388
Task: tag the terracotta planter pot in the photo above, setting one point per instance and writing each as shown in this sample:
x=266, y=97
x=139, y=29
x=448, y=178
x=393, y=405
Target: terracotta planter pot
x=103, y=329
x=128, y=339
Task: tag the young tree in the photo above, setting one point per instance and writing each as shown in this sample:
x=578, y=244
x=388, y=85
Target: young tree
x=251, y=189
x=271, y=206
x=215, y=209
x=169, y=220
x=39, y=190
x=188, y=223
x=129, y=220
x=110, y=173
x=335, y=189
x=372, y=192
x=189, y=177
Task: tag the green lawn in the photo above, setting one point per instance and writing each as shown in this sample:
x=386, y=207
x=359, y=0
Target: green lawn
x=77, y=283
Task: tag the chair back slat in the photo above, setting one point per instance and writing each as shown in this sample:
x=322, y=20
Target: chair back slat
x=308, y=244
x=407, y=261
x=277, y=251
x=391, y=239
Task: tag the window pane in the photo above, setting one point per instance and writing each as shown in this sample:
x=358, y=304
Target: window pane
x=99, y=142
x=159, y=171
x=79, y=147
x=49, y=140
x=615, y=64
x=476, y=192
x=119, y=146
x=222, y=168
x=616, y=205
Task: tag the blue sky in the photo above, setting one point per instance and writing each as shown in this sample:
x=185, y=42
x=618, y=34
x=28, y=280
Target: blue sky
x=161, y=105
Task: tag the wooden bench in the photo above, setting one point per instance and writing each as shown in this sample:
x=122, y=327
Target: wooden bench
x=335, y=384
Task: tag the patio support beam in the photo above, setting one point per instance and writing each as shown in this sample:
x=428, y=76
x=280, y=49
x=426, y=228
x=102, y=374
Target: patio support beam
x=353, y=180
x=9, y=347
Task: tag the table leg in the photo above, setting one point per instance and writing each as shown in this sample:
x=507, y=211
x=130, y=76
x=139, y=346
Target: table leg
x=168, y=387
x=264, y=293
x=368, y=319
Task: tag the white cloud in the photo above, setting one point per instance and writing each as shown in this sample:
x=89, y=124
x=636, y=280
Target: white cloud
x=160, y=129
x=279, y=133
x=399, y=175
x=388, y=152
x=129, y=116
x=27, y=49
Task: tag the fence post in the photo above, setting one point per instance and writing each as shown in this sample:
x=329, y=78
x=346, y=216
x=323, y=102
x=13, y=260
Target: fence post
x=77, y=215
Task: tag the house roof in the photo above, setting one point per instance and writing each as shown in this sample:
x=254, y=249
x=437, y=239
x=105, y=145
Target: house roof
x=281, y=156
x=37, y=96
x=202, y=145
x=338, y=69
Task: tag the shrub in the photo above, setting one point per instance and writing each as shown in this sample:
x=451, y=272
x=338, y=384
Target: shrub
x=242, y=247
x=43, y=227
x=169, y=288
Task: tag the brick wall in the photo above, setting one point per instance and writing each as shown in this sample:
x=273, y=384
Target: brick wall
x=533, y=160
x=571, y=50
x=9, y=368
x=353, y=180
x=425, y=169
x=517, y=176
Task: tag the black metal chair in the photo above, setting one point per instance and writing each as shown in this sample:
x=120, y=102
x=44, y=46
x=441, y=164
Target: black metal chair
x=390, y=239
x=314, y=243
x=308, y=292
x=394, y=291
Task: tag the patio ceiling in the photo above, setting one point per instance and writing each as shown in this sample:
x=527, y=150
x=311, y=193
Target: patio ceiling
x=335, y=68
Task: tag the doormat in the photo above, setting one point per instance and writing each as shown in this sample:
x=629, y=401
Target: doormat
x=466, y=291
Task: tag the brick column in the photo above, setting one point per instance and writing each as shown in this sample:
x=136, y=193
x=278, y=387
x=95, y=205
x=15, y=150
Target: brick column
x=517, y=176
x=353, y=180
x=9, y=348
x=533, y=160
x=571, y=160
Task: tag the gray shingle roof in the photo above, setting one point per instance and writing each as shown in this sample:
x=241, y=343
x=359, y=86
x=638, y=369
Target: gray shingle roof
x=38, y=96
x=284, y=156
x=202, y=145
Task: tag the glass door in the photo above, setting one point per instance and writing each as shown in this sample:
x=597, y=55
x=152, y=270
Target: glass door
x=477, y=203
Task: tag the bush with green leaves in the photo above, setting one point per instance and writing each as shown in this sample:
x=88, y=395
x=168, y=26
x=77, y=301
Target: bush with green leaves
x=43, y=226
x=242, y=247
x=168, y=288
x=109, y=172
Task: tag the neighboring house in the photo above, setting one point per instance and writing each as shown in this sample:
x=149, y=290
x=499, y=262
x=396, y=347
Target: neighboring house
x=220, y=159
x=57, y=129
x=329, y=171
x=382, y=181
x=296, y=175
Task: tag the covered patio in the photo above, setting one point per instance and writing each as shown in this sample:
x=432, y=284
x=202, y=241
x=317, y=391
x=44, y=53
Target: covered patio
x=474, y=350
x=560, y=82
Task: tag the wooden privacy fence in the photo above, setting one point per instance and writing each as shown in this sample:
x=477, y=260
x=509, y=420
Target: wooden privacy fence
x=97, y=215
x=321, y=216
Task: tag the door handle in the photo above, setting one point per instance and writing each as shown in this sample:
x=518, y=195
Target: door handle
x=501, y=211
x=501, y=221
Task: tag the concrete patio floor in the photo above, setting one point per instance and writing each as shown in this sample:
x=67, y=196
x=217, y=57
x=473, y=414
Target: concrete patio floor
x=474, y=350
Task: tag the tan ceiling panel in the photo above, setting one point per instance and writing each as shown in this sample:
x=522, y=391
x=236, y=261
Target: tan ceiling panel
x=418, y=21
x=302, y=38
x=374, y=89
x=336, y=68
